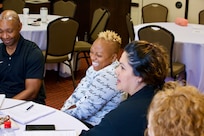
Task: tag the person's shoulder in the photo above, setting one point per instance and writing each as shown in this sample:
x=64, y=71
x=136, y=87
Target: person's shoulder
x=31, y=45
x=1, y=45
x=110, y=68
x=31, y=48
x=114, y=64
x=120, y=112
x=1, y=48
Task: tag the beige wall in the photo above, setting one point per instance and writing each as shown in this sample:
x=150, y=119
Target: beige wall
x=195, y=6
x=135, y=12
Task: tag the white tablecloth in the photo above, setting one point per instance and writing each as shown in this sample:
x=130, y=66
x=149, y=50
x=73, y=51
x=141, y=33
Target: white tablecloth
x=188, y=49
x=61, y=120
x=38, y=34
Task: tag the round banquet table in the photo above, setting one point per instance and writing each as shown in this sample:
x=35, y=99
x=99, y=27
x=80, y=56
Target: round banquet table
x=38, y=34
x=61, y=120
x=188, y=49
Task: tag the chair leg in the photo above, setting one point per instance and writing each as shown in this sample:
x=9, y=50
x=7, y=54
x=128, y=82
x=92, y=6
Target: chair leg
x=73, y=78
x=185, y=78
x=72, y=73
x=86, y=57
x=58, y=71
x=181, y=78
x=76, y=63
x=78, y=58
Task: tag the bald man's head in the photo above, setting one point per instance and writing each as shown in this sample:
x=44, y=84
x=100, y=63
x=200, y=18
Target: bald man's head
x=10, y=15
x=10, y=27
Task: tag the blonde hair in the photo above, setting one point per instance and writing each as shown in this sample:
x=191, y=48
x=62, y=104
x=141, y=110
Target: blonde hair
x=177, y=111
x=111, y=36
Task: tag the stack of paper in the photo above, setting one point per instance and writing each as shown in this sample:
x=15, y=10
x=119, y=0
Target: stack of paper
x=28, y=112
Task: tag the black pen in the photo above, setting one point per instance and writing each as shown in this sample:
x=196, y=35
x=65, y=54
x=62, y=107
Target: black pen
x=29, y=107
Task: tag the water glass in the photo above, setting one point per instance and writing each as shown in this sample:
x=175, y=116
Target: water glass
x=25, y=11
x=43, y=14
x=25, y=15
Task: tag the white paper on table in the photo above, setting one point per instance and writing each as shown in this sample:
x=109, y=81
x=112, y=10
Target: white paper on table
x=23, y=115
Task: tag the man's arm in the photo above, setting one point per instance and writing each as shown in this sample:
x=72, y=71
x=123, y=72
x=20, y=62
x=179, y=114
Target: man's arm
x=32, y=87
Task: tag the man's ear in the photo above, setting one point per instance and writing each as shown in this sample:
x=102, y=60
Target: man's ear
x=20, y=26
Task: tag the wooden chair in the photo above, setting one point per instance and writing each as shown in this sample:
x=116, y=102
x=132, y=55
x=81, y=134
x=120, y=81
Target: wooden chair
x=130, y=28
x=61, y=36
x=154, y=12
x=63, y=8
x=201, y=17
x=160, y=35
x=99, y=22
x=16, y=5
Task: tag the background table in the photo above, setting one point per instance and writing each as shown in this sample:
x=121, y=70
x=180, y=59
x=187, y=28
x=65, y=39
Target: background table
x=38, y=34
x=61, y=120
x=188, y=49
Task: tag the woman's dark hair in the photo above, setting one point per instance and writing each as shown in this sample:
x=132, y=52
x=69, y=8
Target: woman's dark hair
x=149, y=61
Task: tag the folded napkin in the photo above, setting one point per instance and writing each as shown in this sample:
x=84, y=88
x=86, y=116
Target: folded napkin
x=181, y=21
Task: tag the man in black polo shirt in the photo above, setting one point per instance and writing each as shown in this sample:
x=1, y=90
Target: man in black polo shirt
x=21, y=62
